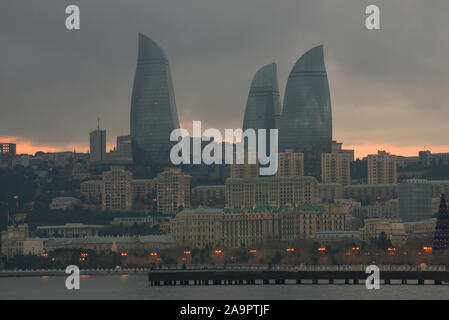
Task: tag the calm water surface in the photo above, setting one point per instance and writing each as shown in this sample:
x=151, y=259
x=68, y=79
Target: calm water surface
x=136, y=287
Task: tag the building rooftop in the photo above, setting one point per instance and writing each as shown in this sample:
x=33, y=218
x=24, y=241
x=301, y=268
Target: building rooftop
x=211, y=186
x=124, y=239
x=65, y=198
x=336, y=233
x=71, y=225
x=371, y=185
x=430, y=220
x=201, y=209
x=271, y=178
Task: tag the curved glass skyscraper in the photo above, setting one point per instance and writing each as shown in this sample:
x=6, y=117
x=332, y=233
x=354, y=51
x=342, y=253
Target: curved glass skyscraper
x=263, y=106
x=306, y=122
x=153, y=106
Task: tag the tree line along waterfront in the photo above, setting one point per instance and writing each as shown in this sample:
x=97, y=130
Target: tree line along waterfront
x=303, y=252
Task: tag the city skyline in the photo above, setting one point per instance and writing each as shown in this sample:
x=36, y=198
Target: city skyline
x=381, y=84
x=224, y=150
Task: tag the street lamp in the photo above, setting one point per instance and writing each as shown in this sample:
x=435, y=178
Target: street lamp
x=321, y=249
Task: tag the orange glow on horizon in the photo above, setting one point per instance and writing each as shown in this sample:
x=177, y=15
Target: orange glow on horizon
x=362, y=150
x=28, y=146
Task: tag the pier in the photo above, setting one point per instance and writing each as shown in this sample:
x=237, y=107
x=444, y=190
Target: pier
x=291, y=275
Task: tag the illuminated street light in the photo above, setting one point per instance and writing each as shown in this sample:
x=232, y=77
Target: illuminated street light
x=391, y=250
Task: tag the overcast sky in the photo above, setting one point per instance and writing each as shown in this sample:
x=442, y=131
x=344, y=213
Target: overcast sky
x=389, y=87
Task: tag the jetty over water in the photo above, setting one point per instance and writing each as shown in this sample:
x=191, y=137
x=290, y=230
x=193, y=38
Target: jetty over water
x=262, y=274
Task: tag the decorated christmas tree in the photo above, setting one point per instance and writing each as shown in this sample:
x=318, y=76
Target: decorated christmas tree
x=441, y=238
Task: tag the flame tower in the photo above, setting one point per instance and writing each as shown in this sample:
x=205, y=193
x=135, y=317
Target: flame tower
x=263, y=106
x=153, y=106
x=306, y=121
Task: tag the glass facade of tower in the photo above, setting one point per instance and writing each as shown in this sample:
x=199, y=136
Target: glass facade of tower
x=306, y=122
x=263, y=107
x=153, y=106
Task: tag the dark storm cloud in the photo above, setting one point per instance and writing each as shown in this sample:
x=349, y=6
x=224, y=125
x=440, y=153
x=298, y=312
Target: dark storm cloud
x=388, y=86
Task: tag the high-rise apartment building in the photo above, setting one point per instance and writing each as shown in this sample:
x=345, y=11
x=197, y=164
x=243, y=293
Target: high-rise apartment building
x=7, y=149
x=8, y=154
x=145, y=189
x=382, y=168
x=117, y=189
x=290, y=164
x=245, y=170
x=124, y=147
x=173, y=190
x=97, y=145
x=336, y=168
x=337, y=148
x=91, y=189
